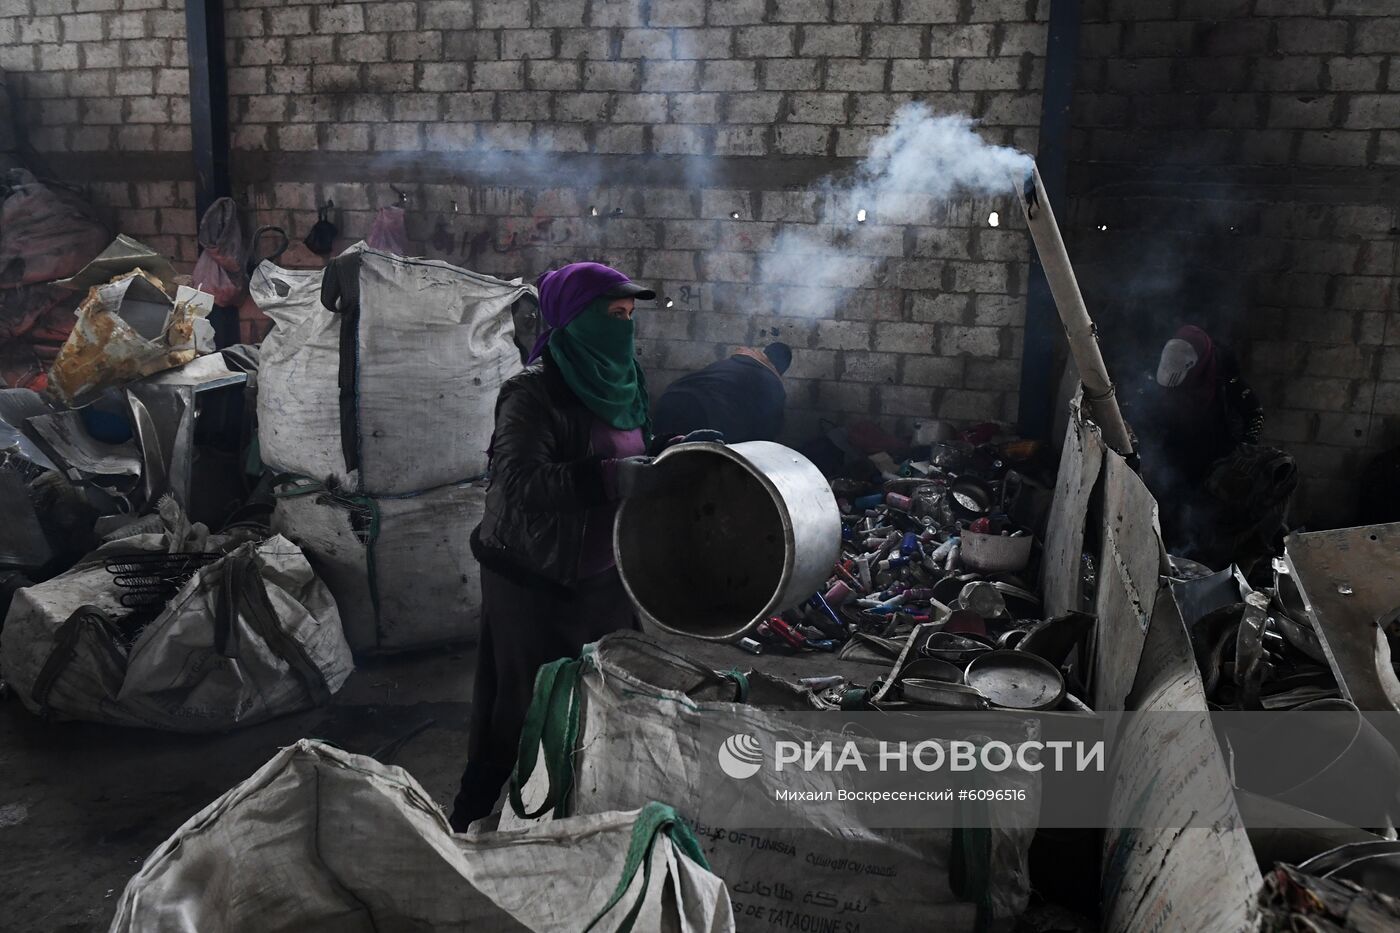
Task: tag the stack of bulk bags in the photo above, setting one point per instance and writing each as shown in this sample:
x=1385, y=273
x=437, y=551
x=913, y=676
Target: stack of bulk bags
x=380, y=415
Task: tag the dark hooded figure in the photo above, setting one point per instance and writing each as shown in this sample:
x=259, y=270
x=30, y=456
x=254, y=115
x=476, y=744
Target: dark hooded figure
x=741, y=397
x=1198, y=426
x=1198, y=411
x=568, y=446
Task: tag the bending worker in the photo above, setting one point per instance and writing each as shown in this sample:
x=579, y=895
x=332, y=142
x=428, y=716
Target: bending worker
x=568, y=443
x=1194, y=414
x=741, y=397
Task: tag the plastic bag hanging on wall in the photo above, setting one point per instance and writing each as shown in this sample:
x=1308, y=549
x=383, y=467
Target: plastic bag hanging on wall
x=219, y=269
x=389, y=233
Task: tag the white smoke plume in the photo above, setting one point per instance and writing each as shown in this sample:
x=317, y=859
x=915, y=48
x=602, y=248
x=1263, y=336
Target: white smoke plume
x=923, y=157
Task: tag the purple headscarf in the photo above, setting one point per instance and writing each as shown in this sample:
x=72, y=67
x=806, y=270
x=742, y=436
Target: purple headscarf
x=564, y=293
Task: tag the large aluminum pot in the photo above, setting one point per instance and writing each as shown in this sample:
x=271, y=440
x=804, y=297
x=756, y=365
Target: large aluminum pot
x=750, y=530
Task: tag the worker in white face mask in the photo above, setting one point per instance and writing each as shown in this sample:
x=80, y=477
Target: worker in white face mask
x=1198, y=425
x=1204, y=408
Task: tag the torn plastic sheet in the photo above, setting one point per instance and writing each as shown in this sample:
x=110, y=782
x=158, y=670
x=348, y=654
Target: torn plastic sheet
x=121, y=256
x=128, y=329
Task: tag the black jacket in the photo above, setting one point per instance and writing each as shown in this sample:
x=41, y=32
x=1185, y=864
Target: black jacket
x=544, y=479
x=739, y=397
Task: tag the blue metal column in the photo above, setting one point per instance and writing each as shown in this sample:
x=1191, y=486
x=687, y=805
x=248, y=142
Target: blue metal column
x=1036, y=414
x=204, y=24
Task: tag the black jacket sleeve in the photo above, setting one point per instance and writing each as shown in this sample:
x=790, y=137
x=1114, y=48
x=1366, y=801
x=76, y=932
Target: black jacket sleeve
x=524, y=459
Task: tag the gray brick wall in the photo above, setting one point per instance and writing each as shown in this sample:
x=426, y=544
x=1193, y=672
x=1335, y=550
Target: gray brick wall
x=1243, y=157
x=750, y=100
x=96, y=77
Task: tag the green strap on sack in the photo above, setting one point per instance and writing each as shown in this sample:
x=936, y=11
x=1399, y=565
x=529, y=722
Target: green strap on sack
x=652, y=821
x=741, y=684
x=552, y=722
x=970, y=864
x=292, y=486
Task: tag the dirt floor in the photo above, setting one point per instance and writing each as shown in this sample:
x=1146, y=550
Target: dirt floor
x=82, y=805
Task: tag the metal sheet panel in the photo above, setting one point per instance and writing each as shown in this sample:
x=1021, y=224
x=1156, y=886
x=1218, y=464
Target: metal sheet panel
x=1130, y=565
x=1167, y=879
x=1349, y=578
x=1197, y=598
x=1081, y=461
x=63, y=438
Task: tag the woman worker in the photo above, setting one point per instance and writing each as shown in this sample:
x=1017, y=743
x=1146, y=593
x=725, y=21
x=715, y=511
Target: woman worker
x=1197, y=411
x=568, y=444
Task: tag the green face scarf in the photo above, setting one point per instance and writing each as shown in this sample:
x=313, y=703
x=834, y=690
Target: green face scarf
x=596, y=355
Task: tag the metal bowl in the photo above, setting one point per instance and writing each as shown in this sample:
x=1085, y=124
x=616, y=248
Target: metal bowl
x=931, y=669
x=970, y=498
x=1011, y=638
x=952, y=647
x=1016, y=680
x=942, y=694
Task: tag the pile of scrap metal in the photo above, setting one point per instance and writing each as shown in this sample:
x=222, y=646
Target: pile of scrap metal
x=935, y=585
x=112, y=583
x=119, y=425
x=1256, y=648
x=1326, y=635
x=1322, y=640
x=1353, y=888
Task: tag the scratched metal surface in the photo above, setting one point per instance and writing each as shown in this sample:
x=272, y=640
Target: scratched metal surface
x=1129, y=566
x=1366, y=560
x=1081, y=461
x=1080, y=465
x=1165, y=879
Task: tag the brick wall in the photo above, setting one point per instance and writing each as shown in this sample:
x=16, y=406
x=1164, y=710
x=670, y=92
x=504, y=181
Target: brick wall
x=1241, y=157
x=502, y=126
x=93, y=78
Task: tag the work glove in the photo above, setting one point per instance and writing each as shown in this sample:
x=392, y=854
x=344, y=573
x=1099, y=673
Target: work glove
x=637, y=477
x=696, y=436
x=703, y=434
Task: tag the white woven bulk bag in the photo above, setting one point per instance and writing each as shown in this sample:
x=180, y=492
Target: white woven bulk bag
x=433, y=343
x=323, y=840
x=400, y=568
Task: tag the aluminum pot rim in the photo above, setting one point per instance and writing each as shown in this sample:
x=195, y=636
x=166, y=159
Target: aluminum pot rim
x=1004, y=657
x=789, y=558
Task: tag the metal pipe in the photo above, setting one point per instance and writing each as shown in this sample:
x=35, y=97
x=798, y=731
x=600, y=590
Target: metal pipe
x=1079, y=327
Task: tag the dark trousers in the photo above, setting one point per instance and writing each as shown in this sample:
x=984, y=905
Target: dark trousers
x=523, y=629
